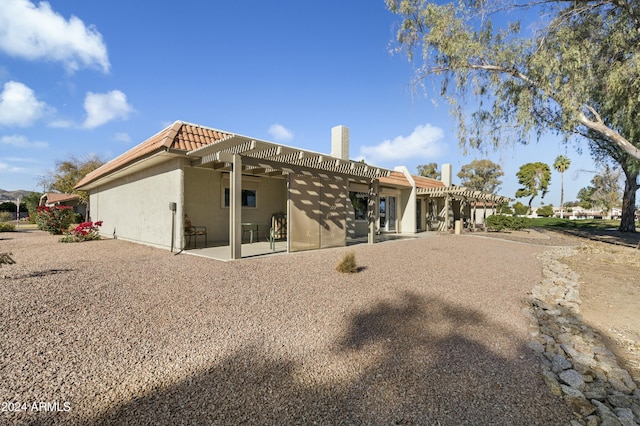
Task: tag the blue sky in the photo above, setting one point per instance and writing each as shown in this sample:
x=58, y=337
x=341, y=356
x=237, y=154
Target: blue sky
x=79, y=78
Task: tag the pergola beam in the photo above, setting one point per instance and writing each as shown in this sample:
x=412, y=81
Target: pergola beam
x=287, y=159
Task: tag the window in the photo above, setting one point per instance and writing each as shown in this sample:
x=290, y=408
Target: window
x=248, y=197
x=360, y=200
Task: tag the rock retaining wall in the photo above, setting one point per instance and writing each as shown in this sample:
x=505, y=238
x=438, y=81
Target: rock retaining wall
x=575, y=363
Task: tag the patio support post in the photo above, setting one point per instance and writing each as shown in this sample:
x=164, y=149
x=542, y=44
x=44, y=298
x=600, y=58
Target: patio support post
x=235, y=207
x=475, y=218
x=372, y=211
x=447, y=217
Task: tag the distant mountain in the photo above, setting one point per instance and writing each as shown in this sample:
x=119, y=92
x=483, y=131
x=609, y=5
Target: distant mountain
x=13, y=195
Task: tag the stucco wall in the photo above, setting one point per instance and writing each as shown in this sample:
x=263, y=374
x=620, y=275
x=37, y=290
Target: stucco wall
x=136, y=207
x=407, y=212
x=317, y=213
x=204, y=200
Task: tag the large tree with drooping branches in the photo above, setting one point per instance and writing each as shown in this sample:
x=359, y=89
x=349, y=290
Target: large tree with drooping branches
x=575, y=72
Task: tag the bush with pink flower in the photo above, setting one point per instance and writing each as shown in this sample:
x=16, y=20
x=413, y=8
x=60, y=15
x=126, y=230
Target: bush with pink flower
x=84, y=231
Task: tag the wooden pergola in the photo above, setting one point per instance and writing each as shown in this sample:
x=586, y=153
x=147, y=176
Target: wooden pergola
x=464, y=196
x=243, y=155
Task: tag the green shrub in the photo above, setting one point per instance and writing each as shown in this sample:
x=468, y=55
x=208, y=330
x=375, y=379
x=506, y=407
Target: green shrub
x=348, y=263
x=500, y=223
x=520, y=209
x=54, y=220
x=545, y=211
x=7, y=227
x=505, y=209
x=6, y=217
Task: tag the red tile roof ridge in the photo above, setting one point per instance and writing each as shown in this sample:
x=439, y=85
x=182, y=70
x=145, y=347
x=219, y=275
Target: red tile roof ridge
x=427, y=182
x=395, y=178
x=213, y=129
x=169, y=138
x=161, y=140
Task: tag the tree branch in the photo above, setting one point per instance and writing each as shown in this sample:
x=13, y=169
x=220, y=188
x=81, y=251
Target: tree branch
x=615, y=137
x=596, y=125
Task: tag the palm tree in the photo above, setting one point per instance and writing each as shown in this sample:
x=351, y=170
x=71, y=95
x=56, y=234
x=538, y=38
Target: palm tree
x=561, y=165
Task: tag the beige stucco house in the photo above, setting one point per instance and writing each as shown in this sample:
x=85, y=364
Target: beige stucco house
x=235, y=186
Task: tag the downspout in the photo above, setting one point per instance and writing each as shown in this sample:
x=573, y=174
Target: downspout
x=179, y=212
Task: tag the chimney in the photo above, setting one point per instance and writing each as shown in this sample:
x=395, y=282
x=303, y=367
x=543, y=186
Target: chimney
x=446, y=174
x=340, y=142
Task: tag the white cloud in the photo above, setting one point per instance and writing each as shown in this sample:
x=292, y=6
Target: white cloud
x=22, y=160
x=122, y=137
x=60, y=124
x=22, y=142
x=425, y=142
x=280, y=133
x=19, y=105
x=12, y=169
x=38, y=32
x=104, y=107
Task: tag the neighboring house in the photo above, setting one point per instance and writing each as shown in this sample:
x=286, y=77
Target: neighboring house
x=225, y=182
x=51, y=199
x=578, y=212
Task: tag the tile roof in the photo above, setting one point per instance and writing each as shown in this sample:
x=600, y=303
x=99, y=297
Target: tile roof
x=180, y=136
x=395, y=179
x=185, y=138
x=55, y=197
x=190, y=137
x=399, y=179
x=425, y=182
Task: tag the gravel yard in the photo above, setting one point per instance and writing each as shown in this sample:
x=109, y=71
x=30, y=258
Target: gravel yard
x=430, y=331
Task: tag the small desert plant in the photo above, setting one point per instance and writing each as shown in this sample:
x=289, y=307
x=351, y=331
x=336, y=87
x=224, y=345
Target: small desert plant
x=6, y=259
x=6, y=217
x=348, y=263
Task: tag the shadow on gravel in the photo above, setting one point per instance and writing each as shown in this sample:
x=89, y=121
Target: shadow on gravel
x=45, y=273
x=408, y=361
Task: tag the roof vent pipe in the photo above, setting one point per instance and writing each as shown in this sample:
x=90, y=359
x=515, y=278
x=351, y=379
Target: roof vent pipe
x=340, y=142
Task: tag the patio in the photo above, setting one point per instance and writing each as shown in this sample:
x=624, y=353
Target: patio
x=222, y=251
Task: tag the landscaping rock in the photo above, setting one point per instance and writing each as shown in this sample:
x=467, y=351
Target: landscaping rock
x=580, y=405
x=560, y=363
x=572, y=378
x=624, y=414
x=576, y=363
x=572, y=392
